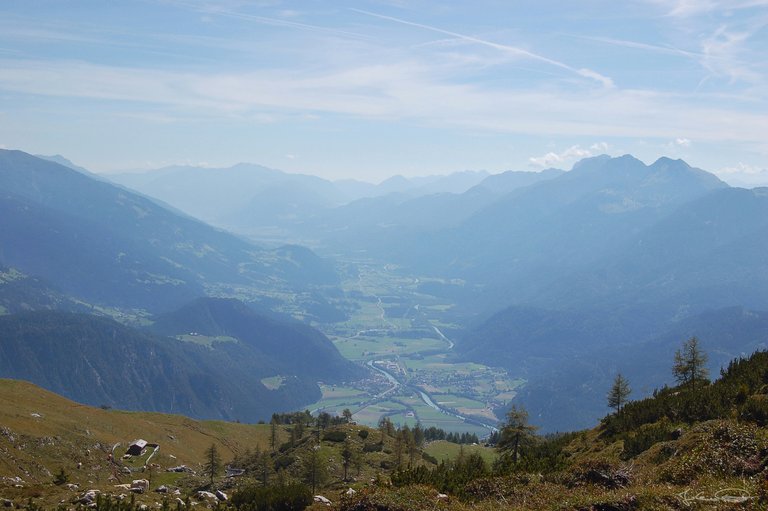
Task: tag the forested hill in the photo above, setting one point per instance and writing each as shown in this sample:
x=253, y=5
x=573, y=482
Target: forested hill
x=100, y=362
x=273, y=343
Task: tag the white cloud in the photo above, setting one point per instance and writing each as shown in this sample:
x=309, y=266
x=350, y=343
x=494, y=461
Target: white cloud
x=682, y=142
x=551, y=159
x=404, y=90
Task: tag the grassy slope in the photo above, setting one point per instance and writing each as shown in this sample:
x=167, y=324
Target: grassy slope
x=443, y=451
x=34, y=448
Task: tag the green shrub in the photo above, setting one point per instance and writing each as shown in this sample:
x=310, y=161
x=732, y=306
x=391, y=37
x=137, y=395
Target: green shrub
x=291, y=497
x=363, y=433
x=755, y=409
x=373, y=447
x=334, y=436
x=284, y=461
x=646, y=436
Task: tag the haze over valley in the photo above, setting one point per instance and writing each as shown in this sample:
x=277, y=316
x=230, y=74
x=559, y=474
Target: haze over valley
x=477, y=291
x=383, y=255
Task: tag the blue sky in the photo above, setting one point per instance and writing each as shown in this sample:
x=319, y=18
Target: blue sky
x=371, y=88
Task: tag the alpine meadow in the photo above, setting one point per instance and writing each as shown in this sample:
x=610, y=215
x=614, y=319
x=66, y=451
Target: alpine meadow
x=383, y=255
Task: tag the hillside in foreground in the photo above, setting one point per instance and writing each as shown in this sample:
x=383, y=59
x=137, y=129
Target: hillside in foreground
x=701, y=445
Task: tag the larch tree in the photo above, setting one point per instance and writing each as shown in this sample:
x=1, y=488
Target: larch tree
x=690, y=363
x=620, y=391
x=515, y=433
x=212, y=465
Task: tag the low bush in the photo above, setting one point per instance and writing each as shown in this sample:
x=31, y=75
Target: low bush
x=291, y=497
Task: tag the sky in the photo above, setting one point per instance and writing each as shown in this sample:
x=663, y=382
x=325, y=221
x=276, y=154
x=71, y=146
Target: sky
x=367, y=89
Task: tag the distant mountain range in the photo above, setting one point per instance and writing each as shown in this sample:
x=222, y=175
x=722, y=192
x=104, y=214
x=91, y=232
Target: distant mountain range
x=107, y=245
x=561, y=277
x=253, y=199
x=75, y=249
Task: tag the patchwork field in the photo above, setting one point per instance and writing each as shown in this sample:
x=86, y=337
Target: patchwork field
x=397, y=327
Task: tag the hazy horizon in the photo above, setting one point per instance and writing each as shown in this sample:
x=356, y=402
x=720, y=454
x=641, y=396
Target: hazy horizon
x=374, y=89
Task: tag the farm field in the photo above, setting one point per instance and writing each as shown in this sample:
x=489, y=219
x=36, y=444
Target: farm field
x=396, y=327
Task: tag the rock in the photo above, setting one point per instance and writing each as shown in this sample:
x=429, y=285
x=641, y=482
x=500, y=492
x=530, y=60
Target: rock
x=202, y=495
x=177, y=492
x=89, y=497
x=162, y=489
x=221, y=496
x=442, y=496
x=140, y=486
x=7, y=503
x=72, y=486
x=350, y=492
x=143, y=507
x=180, y=502
x=321, y=500
x=123, y=486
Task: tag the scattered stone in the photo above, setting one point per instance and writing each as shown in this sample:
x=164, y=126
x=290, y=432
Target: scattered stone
x=7, y=503
x=180, y=468
x=162, y=489
x=89, y=497
x=221, y=496
x=177, y=492
x=442, y=496
x=202, y=495
x=72, y=486
x=36, y=415
x=140, y=486
x=180, y=502
x=143, y=507
x=123, y=486
x=350, y=492
x=321, y=500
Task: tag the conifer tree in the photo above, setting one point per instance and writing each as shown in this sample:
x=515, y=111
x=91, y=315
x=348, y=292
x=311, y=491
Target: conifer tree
x=347, y=455
x=212, y=465
x=690, y=363
x=515, y=433
x=619, y=392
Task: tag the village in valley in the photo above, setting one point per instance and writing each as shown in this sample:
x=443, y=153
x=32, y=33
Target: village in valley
x=397, y=331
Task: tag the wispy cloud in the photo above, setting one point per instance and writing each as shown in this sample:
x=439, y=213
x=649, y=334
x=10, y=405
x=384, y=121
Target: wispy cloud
x=390, y=92
x=512, y=50
x=219, y=10
x=687, y=8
